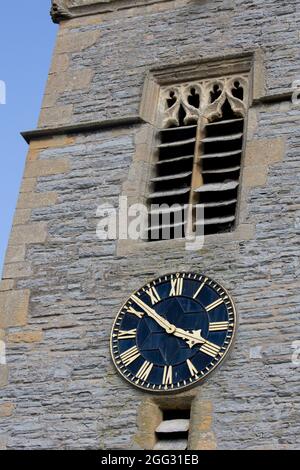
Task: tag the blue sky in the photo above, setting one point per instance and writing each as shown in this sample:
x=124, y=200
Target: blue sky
x=27, y=37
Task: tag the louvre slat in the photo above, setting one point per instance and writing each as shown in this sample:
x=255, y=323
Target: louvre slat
x=216, y=220
x=217, y=187
x=179, y=128
x=171, y=177
x=172, y=192
x=167, y=210
x=221, y=154
x=229, y=121
x=158, y=227
x=177, y=159
x=178, y=143
x=222, y=170
x=220, y=138
x=217, y=203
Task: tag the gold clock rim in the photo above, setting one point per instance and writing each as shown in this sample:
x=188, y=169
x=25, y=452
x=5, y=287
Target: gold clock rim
x=201, y=380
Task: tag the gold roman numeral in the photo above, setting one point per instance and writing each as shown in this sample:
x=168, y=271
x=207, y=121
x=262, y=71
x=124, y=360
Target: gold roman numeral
x=176, y=286
x=153, y=294
x=144, y=371
x=130, y=334
x=192, y=368
x=130, y=355
x=168, y=375
x=135, y=312
x=215, y=304
x=210, y=349
x=219, y=326
x=200, y=289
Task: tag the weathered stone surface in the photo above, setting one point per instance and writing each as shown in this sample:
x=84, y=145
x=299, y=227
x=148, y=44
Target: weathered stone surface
x=140, y=39
x=3, y=442
x=45, y=168
x=77, y=41
x=63, y=81
x=57, y=141
x=15, y=270
x=148, y=418
x=6, y=284
x=33, y=200
x=29, y=233
x=14, y=308
x=3, y=375
x=28, y=185
x=51, y=116
x=6, y=410
x=262, y=152
x=174, y=425
x=206, y=441
x=15, y=254
x=25, y=337
x=22, y=216
x=172, y=444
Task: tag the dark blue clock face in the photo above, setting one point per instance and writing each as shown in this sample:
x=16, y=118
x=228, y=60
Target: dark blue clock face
x=173, y=332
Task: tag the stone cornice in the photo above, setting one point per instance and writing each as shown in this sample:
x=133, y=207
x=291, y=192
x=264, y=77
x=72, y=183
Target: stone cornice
x=67, y=9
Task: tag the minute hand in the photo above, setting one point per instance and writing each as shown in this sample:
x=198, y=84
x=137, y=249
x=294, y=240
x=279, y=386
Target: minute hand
x=191, y=338
x=167, y=326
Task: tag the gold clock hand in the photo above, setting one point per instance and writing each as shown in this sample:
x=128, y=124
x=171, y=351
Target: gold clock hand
x=167, y=326
x=192, y=338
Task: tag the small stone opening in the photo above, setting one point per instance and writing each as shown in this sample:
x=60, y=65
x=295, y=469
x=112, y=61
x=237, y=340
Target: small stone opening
x=172, y=99
x=215, y=93
x=173, y=432
x=194, y=98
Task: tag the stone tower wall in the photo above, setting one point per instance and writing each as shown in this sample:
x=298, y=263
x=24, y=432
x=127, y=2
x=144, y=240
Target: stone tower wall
x=62, y=287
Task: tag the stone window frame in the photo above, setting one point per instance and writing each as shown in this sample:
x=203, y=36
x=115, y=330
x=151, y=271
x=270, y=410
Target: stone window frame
x=136, y=186
x=150, y=415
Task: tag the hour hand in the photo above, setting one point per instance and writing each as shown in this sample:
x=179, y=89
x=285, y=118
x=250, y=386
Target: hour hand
x=167, y=326
x=191, y=337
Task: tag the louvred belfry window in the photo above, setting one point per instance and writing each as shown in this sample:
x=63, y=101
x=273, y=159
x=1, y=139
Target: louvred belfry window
x=198, y=156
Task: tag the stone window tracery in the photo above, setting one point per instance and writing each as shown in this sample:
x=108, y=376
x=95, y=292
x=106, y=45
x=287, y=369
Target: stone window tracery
x=198, y=155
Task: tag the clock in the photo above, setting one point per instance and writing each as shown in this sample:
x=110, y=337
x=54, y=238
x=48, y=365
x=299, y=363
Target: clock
x=173, y=332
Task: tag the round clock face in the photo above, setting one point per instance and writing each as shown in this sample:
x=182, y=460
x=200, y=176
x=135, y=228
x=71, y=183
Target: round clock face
x=173, y=332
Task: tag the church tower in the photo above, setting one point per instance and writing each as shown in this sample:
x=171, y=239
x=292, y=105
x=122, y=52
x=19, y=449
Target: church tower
x=176, y=124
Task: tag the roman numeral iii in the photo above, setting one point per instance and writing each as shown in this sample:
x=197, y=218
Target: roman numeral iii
x=210, y=349
x=219, y=326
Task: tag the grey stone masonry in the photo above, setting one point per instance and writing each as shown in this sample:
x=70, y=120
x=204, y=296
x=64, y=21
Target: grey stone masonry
x=118, y=48
x=59, y=389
